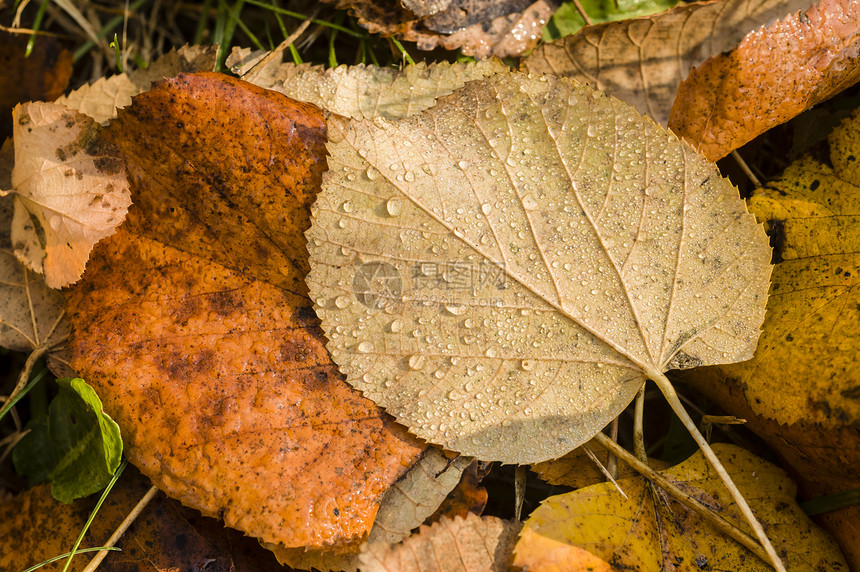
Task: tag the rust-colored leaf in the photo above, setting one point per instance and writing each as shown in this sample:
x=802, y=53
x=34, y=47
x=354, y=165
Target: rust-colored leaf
x=772, y=76
x=193, y=323
x=41, y=77
x=643, y=60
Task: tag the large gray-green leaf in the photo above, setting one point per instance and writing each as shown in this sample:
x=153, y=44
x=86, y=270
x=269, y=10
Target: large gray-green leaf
x=502, y=272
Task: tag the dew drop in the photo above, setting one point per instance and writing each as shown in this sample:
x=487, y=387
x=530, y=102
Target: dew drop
x=486, y=208
x=527, y=364
x=491, y=353
x=371, y=173
x=463, y=165
x=396, y=326
x=529, y=203
x=365, y=347
x=393, y=206
x=456, y=309
x=416, y=362
x=341, y=302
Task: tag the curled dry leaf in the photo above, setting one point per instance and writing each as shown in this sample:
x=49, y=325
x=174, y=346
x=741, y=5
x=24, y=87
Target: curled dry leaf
x=503, y=271
x=31, y=314
x=810, y=414
x=68, y=194
x=477, y=28
x=194, y=326
x=650, y=531
x=469, y=544
x=773, y=75
x=643, y=60
x=363, y=92
x=102, y=98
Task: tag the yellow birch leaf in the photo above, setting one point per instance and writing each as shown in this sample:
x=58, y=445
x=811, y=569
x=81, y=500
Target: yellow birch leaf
x=503, y=271
x=68, y=195
x=650, y=531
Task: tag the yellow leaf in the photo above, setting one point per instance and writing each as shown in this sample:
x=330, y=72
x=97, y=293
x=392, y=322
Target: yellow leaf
x=650, y=531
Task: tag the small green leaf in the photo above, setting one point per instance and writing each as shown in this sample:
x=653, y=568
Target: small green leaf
x=567, y=19
x=76, y=446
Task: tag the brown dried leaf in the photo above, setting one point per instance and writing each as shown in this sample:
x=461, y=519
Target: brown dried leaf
x=773, y=75
x=465, y=544
x=643, y=60
x=193, y=325
x=68, y=196
x=503, y=271
x=43, y=76
x=487, y=28
x=102, y=98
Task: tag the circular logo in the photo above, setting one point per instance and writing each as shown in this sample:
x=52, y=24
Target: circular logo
x=377, y=284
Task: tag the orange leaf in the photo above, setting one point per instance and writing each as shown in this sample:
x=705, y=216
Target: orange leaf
x=193, y=324
x=773, y=75
x=536, y=553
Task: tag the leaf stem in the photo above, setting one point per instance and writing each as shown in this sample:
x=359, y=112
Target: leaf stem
x=684, y=498
x=675, y=403
x=638, y=426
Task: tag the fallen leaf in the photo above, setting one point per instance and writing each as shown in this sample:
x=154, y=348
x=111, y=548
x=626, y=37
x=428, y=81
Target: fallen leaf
x=102, y=98
x=773, y=75
x=467, y=496
x=76, y=446
x=166, y=536
x=42, y=76
x=643, y=60
x=503, y=271
x=487, y=28
x=810, y=414
x=31, y=314
x=652, y=531
x=466, y=544
x=363, y=92
x=193, y=324
x=536, y=553
x=68, y=196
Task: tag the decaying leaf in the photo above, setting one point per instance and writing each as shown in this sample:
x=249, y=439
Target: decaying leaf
x=650, y=531
x=166, y=536
x=364, y=92
x=499, y=29
x=502, y=272
x=472, y=543
x=68, y=196
x=102, y=98
x=31, y=314
x=643, y=60
x=773, y=75
x=42, y=76
x=810, y=412
x=194, y=326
